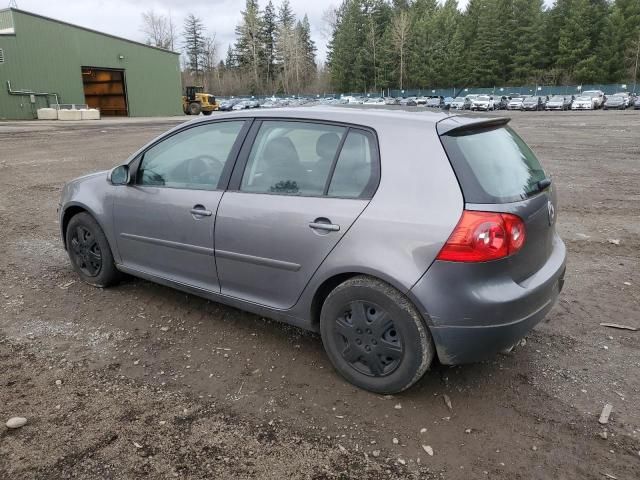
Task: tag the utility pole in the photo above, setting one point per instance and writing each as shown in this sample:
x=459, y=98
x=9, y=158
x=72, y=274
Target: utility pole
x=13, y=4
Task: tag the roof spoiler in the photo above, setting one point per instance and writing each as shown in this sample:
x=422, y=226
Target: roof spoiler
x=459, y=123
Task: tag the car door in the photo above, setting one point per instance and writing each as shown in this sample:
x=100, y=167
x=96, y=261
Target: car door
x=164, y=220
x=296, y=189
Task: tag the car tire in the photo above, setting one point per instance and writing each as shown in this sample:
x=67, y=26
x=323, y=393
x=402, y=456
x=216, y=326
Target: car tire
x=374, y=336
x=89, y=252
x=207, y=112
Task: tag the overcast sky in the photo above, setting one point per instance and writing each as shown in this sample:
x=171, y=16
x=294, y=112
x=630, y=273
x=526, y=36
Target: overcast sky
x=123, y=18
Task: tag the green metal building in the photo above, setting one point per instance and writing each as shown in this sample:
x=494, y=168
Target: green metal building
x=45, y=61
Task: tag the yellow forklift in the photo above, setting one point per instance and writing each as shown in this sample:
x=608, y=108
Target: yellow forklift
x=195, y=101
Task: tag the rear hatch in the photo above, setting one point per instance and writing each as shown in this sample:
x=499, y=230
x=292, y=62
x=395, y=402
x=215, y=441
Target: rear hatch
x=498, y=172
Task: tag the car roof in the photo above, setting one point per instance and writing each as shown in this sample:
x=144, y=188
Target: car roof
x=378, y=118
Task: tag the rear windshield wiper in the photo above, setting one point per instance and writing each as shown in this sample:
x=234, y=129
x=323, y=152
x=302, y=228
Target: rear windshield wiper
x=539, y=186
x=544, y=183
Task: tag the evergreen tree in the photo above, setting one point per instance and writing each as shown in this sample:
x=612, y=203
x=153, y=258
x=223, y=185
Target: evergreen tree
x=268, y=37
x=249, y=47
x=194, y=43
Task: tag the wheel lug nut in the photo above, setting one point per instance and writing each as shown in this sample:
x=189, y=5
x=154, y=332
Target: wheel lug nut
x=367, y=348
x=358, y=331
x=358, y=341
x=374, y=342
x=369, y=331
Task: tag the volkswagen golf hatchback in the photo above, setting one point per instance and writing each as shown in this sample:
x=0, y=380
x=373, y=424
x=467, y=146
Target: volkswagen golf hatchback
x=400, y=237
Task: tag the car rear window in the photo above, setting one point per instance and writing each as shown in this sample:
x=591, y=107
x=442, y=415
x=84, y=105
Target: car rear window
x=493, y=165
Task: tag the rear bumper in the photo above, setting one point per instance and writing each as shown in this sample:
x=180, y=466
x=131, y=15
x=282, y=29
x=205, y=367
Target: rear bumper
x=475, y=312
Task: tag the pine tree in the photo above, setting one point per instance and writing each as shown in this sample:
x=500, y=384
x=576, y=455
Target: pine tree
x=576, y=55
x=249, y=47
x=268, y=38
x=194, y=38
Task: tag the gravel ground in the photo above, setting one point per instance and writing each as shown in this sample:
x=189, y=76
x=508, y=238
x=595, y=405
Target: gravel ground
x=140, y=381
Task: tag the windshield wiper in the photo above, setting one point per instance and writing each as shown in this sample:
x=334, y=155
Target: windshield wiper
x=544, y=183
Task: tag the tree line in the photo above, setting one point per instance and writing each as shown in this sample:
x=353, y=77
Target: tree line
x=378, y=44
x=273, y=51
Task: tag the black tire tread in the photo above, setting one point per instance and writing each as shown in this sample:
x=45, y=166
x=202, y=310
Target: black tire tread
x=426, y=341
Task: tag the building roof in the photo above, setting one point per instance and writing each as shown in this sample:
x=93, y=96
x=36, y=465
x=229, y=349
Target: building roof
x=24, y=12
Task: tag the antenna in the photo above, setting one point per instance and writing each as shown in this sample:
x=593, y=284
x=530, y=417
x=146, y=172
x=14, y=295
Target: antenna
x=13, y=4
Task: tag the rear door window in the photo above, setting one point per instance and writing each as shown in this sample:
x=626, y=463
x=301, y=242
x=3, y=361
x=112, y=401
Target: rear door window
x=493, y=165
x=291, y=158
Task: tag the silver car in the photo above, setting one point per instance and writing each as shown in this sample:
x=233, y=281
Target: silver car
x=329, y=219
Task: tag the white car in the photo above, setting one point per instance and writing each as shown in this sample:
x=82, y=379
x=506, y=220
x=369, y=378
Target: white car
x=597, y=97
x=515, y=103
x=460, y=103
x=375, y=101
x=483, y=102
x=583, y=102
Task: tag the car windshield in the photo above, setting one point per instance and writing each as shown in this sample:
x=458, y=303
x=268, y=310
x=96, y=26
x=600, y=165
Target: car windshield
x=459, y=99
x=493, y=166
x=592, y=93
x=532, y=99
x=557, y=99
x=584, y=98
x=517, y=99
x=483, y=98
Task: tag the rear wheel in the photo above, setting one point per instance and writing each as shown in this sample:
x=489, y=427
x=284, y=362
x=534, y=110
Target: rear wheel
x=89, y=252
x=194, y=108
x=207, y=112
x=374, y=336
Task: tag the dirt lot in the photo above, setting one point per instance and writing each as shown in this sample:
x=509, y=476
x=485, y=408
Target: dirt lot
x=158, y=384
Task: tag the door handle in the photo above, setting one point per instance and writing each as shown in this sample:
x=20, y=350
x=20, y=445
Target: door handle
x=328, y=227
x=200, y=211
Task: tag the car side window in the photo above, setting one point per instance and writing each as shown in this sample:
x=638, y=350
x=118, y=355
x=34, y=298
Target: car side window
x=356, y=168
x=291, y=158
x=190, y=159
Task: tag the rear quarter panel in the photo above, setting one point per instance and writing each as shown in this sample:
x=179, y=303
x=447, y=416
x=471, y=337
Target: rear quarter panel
x=416, y=207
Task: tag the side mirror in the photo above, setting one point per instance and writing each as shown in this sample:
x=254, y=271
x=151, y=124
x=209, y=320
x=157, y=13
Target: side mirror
x=119, y=175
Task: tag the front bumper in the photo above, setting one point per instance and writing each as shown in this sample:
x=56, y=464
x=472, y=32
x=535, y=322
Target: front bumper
x=477, y=310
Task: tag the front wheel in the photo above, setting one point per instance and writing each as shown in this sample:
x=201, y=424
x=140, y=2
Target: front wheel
x=374, y=336
x=194, y=108
x=89, y=252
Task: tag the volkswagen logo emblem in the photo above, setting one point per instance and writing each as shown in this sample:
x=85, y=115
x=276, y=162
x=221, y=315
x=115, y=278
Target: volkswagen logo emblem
x=552, y=212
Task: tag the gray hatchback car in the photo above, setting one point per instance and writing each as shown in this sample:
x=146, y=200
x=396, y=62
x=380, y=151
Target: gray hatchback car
x=398, y=236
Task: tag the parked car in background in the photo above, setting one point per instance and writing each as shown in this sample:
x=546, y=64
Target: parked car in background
x=626, y=96
x=483, y=102
x=461, y=103
x=500, y=102
x=636, y=103
x=559, y=102
x=447, y=102
x=422, y=100
x=241, y=105
x=615, y=102
x=597, y=98
x=392, y=101
x=515, y=103
x=435, y=102
x=393, y=263
x=583, y=102
x=409, y=102
x=375, y=101
x=534, y=103
x=227, y=105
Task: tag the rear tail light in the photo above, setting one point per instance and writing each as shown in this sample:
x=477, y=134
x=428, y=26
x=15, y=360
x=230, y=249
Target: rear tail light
x=484, y=236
